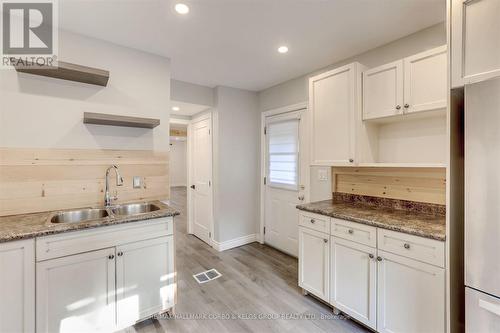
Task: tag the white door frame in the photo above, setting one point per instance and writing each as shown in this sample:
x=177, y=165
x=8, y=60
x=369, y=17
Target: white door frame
x=204, y=116
x=303, y=155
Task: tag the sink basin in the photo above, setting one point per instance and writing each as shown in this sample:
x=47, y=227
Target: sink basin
x=134, y=209
x=75, y=216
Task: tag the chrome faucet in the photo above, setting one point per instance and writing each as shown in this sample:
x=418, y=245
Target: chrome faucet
x=119, y=182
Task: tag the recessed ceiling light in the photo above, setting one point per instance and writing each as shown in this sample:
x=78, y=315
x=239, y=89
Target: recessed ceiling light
x=283, y=49
x=182, y=8
x=175, y=108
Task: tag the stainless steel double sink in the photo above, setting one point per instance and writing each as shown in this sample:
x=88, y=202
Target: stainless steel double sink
x=87, y=214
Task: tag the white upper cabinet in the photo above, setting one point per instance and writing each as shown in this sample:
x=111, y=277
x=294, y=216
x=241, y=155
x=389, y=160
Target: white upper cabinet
x=475, y=40
x=17, y=286
x=413, y=84
x=334, y=101
x=383, y=91
x=425, y=81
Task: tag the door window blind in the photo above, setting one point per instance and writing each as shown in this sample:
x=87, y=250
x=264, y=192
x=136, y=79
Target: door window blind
x=283, y=154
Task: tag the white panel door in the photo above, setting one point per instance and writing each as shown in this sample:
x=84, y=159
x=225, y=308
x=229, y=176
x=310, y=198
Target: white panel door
x=76, y=293
x=426, y=80
x=17, y=286
x=353, y=280
x=333, y=106
x=282, y=188
x=144, y=279
x=383, y=91
x=314, y=262
x=475, y=41
x=201, y=179
x=411, y=296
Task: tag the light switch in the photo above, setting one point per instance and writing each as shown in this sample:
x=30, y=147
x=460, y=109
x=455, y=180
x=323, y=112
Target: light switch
x=322, y=175
x=137, y=183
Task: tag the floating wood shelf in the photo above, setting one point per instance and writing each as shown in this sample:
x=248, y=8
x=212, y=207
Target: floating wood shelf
x=67, y=71
x=115, y=120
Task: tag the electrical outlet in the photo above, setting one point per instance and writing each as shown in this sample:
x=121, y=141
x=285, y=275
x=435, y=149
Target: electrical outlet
x=322, y=175
x=137, y=183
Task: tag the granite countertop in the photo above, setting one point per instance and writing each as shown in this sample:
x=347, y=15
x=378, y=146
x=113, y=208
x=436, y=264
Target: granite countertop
x=412, y=222
x=23, y=226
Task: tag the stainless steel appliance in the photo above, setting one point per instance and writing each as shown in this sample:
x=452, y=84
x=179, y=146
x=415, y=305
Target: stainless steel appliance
x=482, y=207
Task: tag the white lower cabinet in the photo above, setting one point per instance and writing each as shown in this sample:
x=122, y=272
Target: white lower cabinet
x=353, y=280
x=411, y=295
x=144, y=279
x=17, y=286
x=394, y=291
x=314, y=262
x=77, y=293
x=114, y=286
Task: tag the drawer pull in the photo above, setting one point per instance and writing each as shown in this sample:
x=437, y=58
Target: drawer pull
x=313, y=220
x=407, y=246
x=371, y=256
x=379, y=258
x=493, y=308
x=111, y=257
x=325, y=240
x=351, y=231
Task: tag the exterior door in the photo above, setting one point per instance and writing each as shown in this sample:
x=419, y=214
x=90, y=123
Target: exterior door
x=76, y=293
x=201, y=179
x=144, y=279
x=282, y=190
x=353, y=280
x=314, y=262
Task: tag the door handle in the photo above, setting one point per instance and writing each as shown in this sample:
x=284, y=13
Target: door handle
x=193, y=186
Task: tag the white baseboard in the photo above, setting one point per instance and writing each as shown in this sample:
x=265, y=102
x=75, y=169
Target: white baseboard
x=232, y=243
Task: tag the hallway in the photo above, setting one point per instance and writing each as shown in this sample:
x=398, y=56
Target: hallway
x=257, y=282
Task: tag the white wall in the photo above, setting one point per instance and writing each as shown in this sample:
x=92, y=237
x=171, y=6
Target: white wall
x=296, y=90
x=192, y=93
x=178, y=163
x=39, y=112
x=236, y=163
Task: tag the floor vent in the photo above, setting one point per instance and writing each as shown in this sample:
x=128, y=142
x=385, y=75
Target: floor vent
x=206, y=276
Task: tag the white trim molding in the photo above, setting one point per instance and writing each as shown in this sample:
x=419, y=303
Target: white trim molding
x=235, y=242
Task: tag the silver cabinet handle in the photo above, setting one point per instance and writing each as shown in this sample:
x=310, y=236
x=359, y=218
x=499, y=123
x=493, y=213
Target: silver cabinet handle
x=325, y=240
x=407, y=106
x=371, y=256
x=351, y=160
x=398, y=107
x=111, y=257
x=119, y=254
x=379, y=258
x=313, y=220
x=407, y=246
x=350, y=231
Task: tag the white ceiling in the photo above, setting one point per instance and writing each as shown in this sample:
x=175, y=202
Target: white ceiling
x=234, y=42
x=187, y=109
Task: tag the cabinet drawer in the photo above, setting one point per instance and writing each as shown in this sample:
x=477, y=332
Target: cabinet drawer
x=356, y=232
x=313, y=221
x=74, y=242
x=423, y=249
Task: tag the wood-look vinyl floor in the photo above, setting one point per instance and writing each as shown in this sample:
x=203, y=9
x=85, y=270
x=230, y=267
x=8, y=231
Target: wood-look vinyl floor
x=256, y=281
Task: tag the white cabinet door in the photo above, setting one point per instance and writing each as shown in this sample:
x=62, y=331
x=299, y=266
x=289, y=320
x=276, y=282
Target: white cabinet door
x=475, y=41
x=411, y=295
x=314, y=262
x=145, y=279
x=76, y=293
x=17, y=286
x=333, y=101
x=383, y=91
x=426, y=80
x=353, y=280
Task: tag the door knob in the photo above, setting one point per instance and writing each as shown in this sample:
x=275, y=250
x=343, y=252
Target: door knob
x=371, y=256
x=111, y=257
x=407, y=106
x=398, y=107
x=379, y=258
x=193, y=187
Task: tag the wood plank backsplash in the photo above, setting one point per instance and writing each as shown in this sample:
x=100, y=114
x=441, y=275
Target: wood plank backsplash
x=37, y=180
x=414, y=184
